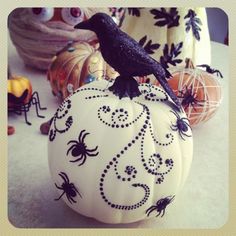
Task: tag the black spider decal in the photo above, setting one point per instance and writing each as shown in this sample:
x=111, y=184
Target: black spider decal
x=211, y=70
x=189, y=98
x=79, y=149
x=160, y=206
x=181, y=125
x=68, y=188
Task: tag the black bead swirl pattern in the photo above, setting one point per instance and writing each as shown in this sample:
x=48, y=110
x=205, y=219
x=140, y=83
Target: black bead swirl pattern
x=130, y=172
x=88, y=89
x=61, y=113
x=118, y=118
x=155, y=162
x=146, y=90
x=152, y=164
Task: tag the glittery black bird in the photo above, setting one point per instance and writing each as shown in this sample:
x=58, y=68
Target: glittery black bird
x=126, y=56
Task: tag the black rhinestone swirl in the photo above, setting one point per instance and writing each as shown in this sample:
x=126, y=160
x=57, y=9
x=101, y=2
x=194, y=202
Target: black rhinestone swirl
x=61, y=112
x=155, y=162
x=146, y=90
x=117, y=118
x=130, y=171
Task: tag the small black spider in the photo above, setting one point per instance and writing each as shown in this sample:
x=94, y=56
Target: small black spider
x=181, y=125
x=160, y=206
x=189, y=98
x=79, y=149
x=68, y=188
x=211, y=70
x=18, y=106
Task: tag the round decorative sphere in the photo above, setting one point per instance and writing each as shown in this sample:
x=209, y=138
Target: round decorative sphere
x=199, y=91
x=75, y=65
x=119, y=160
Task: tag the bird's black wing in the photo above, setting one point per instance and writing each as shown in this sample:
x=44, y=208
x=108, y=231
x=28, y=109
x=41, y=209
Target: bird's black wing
x=133, y=59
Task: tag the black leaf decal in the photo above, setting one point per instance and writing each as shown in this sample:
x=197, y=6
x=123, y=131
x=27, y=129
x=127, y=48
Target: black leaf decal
x=134, y=11
x=170, y=55
x=149, y=47
x=193, y=23
x=171, y=18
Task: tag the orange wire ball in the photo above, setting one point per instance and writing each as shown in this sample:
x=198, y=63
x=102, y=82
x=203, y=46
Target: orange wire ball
x=200, y=92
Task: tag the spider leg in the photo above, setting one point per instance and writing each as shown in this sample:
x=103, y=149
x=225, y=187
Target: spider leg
x=70, y=198
x=219, y=73
x=72, y=141
x=77, y=191
x=188, y=125
x=172, y=198
x=64, y=177
x=180, y=133
x=186, y=106
x=163, y=212
x=35, y=103
x=150, y=210
x=175, y=113
x=174, y=127
x=185, y=119
x=72, y=146
x=187, y=135
x=81, y=156
x=198, y=102
x=84, y=159
x=80, y=135
x=193, y=106
x=92, y=150
x=89, y=152
x=38, y=101
x=58, y=186
x=56, y=199
x=158, y=213
x=84, y=137
x=25, y=109
x=92, y=154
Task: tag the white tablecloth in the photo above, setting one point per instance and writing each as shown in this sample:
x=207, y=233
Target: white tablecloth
x=203, y=202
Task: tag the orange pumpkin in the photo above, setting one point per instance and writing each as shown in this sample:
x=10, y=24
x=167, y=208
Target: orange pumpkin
x=75, y=65
x=19, y=90
x=199, y=91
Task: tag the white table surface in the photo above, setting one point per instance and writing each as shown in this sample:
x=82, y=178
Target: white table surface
x=203, y=202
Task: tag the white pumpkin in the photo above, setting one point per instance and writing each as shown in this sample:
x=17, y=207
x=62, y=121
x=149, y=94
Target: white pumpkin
x=170, y=35
x=119, y=160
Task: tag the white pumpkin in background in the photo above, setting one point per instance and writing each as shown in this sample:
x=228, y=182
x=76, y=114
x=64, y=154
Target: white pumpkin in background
x=170, y=34
x=119, y=160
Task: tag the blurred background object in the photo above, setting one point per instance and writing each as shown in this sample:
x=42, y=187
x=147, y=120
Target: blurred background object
x=218, y=25
x=39, y=33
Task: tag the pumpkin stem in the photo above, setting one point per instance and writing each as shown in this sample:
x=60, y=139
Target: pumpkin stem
x=125, y=87
x=189, y=63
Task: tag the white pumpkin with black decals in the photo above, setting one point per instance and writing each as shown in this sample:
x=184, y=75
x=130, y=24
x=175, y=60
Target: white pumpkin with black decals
x=119, y=160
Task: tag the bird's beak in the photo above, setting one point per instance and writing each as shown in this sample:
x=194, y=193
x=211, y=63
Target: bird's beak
x=83, y=25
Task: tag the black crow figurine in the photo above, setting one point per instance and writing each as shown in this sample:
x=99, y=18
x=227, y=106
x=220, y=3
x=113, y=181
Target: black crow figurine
x=126, y=56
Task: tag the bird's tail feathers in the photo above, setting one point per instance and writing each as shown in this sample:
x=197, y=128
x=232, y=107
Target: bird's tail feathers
x=168, y=89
